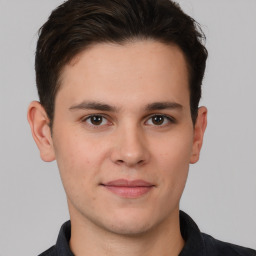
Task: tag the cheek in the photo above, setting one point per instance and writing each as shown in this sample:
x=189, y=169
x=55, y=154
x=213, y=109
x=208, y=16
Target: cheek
x=78, y=160
x=175, y=149
x=173, y=161
x=76, y=149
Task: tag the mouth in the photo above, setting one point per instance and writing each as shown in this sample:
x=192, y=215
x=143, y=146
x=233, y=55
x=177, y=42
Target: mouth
x=128, y=188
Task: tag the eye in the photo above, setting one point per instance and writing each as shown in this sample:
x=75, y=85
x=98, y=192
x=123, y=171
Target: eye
x=159, y=120
x=96, y=120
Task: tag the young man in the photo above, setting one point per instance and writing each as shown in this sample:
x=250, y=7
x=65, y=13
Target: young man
x=119, y=85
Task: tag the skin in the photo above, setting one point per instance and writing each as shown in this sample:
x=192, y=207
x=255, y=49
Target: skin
x=126, y=143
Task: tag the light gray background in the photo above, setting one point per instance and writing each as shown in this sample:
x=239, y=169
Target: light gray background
x=221, y=190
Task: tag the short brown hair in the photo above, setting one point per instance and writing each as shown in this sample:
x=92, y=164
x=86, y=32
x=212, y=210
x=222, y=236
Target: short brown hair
x=76, y=24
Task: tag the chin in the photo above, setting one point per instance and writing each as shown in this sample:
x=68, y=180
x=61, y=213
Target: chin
x=130, y=224
x=129, y=229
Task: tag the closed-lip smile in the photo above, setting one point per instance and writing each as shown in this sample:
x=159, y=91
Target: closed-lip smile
x=129, y=188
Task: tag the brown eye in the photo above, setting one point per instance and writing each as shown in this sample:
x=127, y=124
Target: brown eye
x=96, y=120
x=158, y=120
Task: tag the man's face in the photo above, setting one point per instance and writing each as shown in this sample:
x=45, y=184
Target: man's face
x=123, y=136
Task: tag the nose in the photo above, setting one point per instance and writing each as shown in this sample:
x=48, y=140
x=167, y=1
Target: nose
x=130, y=148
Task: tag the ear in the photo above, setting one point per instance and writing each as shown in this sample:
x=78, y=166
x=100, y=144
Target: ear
x=199, y=129
x=41, y=132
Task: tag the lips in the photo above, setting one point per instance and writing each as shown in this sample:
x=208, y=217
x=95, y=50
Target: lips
x=129, y=188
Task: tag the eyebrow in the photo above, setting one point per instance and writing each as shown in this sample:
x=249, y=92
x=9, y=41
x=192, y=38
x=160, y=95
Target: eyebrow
x=85, y=105
x=163, y=105
x=94, y=105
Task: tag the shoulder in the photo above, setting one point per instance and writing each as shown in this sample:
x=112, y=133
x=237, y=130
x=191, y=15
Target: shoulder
x=216, y=247
x=50, y=252
x=61, y=248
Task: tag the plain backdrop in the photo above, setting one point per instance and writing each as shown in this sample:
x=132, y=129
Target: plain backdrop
x=221, y=191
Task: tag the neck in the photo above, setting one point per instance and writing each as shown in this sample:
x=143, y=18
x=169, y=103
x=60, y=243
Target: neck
x=88, y=239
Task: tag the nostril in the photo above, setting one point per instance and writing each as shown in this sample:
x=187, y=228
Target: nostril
x=119, y=161
x=141, y=162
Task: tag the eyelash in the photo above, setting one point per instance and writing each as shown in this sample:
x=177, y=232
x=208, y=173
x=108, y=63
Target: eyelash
x=85, y=120
x=170, y=120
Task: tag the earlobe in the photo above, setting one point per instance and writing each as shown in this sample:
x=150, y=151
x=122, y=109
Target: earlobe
x=41, y=132
x=199, y=129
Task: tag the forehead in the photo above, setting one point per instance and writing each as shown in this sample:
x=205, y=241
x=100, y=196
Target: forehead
x=136, y=70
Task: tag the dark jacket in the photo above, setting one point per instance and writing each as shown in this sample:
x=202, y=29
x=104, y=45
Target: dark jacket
x=196, y=243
